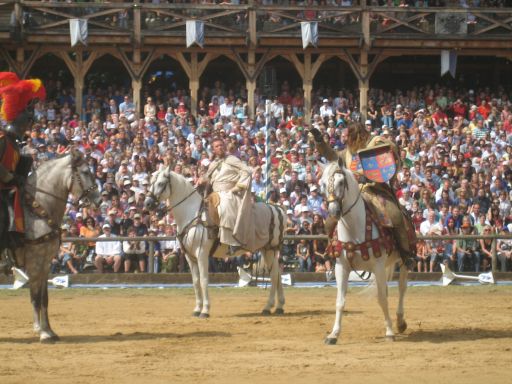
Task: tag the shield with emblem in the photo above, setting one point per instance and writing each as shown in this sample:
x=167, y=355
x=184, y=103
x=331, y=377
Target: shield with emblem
x=378, y=163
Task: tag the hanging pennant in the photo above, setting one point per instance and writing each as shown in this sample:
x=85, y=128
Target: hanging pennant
x=195, y=32
x=309, y=33
x=448, y=62
x=78, y=31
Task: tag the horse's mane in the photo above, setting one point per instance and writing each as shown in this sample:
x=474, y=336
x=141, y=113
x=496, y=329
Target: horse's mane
x=184, y=183
x=357, y=137
x=43, y=167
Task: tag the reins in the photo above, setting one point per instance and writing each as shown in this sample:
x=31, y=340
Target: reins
x=332, y=197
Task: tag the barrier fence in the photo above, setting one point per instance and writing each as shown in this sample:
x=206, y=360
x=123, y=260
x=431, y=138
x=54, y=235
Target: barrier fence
x=151, y=242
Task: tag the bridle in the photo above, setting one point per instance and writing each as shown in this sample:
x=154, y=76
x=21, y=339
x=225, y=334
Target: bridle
x=75, y=178
x=169, y=185
x=331, y=196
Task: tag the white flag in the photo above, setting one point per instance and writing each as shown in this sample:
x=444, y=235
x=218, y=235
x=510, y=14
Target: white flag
x=448, y=62
x=309, y=33
x=78, y=31
x=195, y=33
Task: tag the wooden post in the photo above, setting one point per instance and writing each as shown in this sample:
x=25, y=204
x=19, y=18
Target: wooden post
x=136, y=88
x=250, y=84
x=494, y=259
x=253, y=39
x=79, y=92
x=20, y=58
x=193, y=83
x=365, y=25
x=307, y=86
x=151, y=257
x=251, y=107
x=137, y=34
x=364, y=83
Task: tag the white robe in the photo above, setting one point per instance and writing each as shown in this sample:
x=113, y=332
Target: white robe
x=234, y=208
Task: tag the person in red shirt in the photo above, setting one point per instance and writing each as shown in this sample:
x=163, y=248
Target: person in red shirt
x=484, y=109
x=181, y=110
x=459, y=108
x=160, y=114
x=440, y=118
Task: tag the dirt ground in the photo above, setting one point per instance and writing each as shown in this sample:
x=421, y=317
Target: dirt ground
x=455, y=335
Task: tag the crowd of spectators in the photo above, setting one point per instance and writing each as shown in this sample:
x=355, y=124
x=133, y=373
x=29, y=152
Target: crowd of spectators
x=455, y=147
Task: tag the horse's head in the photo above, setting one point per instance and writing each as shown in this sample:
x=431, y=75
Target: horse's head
x=159, y=189
x=83, y=184
x=333, y=186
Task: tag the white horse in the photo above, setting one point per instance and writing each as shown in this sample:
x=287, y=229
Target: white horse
x=355, y=228
x=186, y=204
x=45, y=198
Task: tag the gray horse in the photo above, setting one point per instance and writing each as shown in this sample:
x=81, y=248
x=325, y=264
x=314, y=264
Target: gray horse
x=45, y=198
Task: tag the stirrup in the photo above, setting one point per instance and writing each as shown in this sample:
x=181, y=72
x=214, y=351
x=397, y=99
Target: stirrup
x=233, y=249
x=6, y=262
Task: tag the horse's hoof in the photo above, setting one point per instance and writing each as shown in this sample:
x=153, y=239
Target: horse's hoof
x=390, y=338
x=279, y=311
x=49, y=339
x=204, y=315
x=402, y=326
x=196, y=313
x=265, y=312
x=330, y=341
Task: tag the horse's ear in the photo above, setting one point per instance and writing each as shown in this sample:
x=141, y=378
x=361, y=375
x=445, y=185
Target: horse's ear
x=76, y=155
x=340, y=162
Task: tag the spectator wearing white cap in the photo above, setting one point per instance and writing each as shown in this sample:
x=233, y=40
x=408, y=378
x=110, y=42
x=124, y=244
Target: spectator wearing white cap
x=326, y=110
x=314, y=199
x=107, y=252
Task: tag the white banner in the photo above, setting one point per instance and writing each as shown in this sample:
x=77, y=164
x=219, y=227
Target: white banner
x=448, y=62
x=309, y=33
x=195, y=32
x=78, y=31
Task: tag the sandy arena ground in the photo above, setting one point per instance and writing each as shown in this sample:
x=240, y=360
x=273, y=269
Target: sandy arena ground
x=455, y=335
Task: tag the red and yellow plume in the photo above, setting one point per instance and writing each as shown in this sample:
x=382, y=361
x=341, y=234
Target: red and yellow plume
x=16, y=94
x=7, y=78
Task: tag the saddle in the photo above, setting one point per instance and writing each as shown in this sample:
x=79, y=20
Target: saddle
x=212, y=203
x=382, y=206
x=386, y=210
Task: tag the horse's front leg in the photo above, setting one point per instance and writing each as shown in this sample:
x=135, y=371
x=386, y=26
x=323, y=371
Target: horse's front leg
x=401, y=324
x=275, y=277
x=382, y=292
x=194, y=271
x=341, y=272
x=203, y=264
x=38, y=267
x=39, y=299
x=47, y=333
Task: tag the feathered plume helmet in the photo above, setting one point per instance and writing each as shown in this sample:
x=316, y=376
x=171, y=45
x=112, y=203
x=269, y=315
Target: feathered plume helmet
x=16, y=94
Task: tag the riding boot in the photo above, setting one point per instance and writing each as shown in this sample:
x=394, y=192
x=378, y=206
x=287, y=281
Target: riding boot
x=330, y=225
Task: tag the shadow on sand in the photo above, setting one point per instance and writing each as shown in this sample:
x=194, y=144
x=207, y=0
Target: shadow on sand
x=298, y=313
x=117, y=337
x=457, y=334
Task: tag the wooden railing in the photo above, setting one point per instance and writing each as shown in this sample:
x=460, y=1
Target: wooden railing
x=137, y=20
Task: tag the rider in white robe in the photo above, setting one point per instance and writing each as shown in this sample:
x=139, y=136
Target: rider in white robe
x=231, y=179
